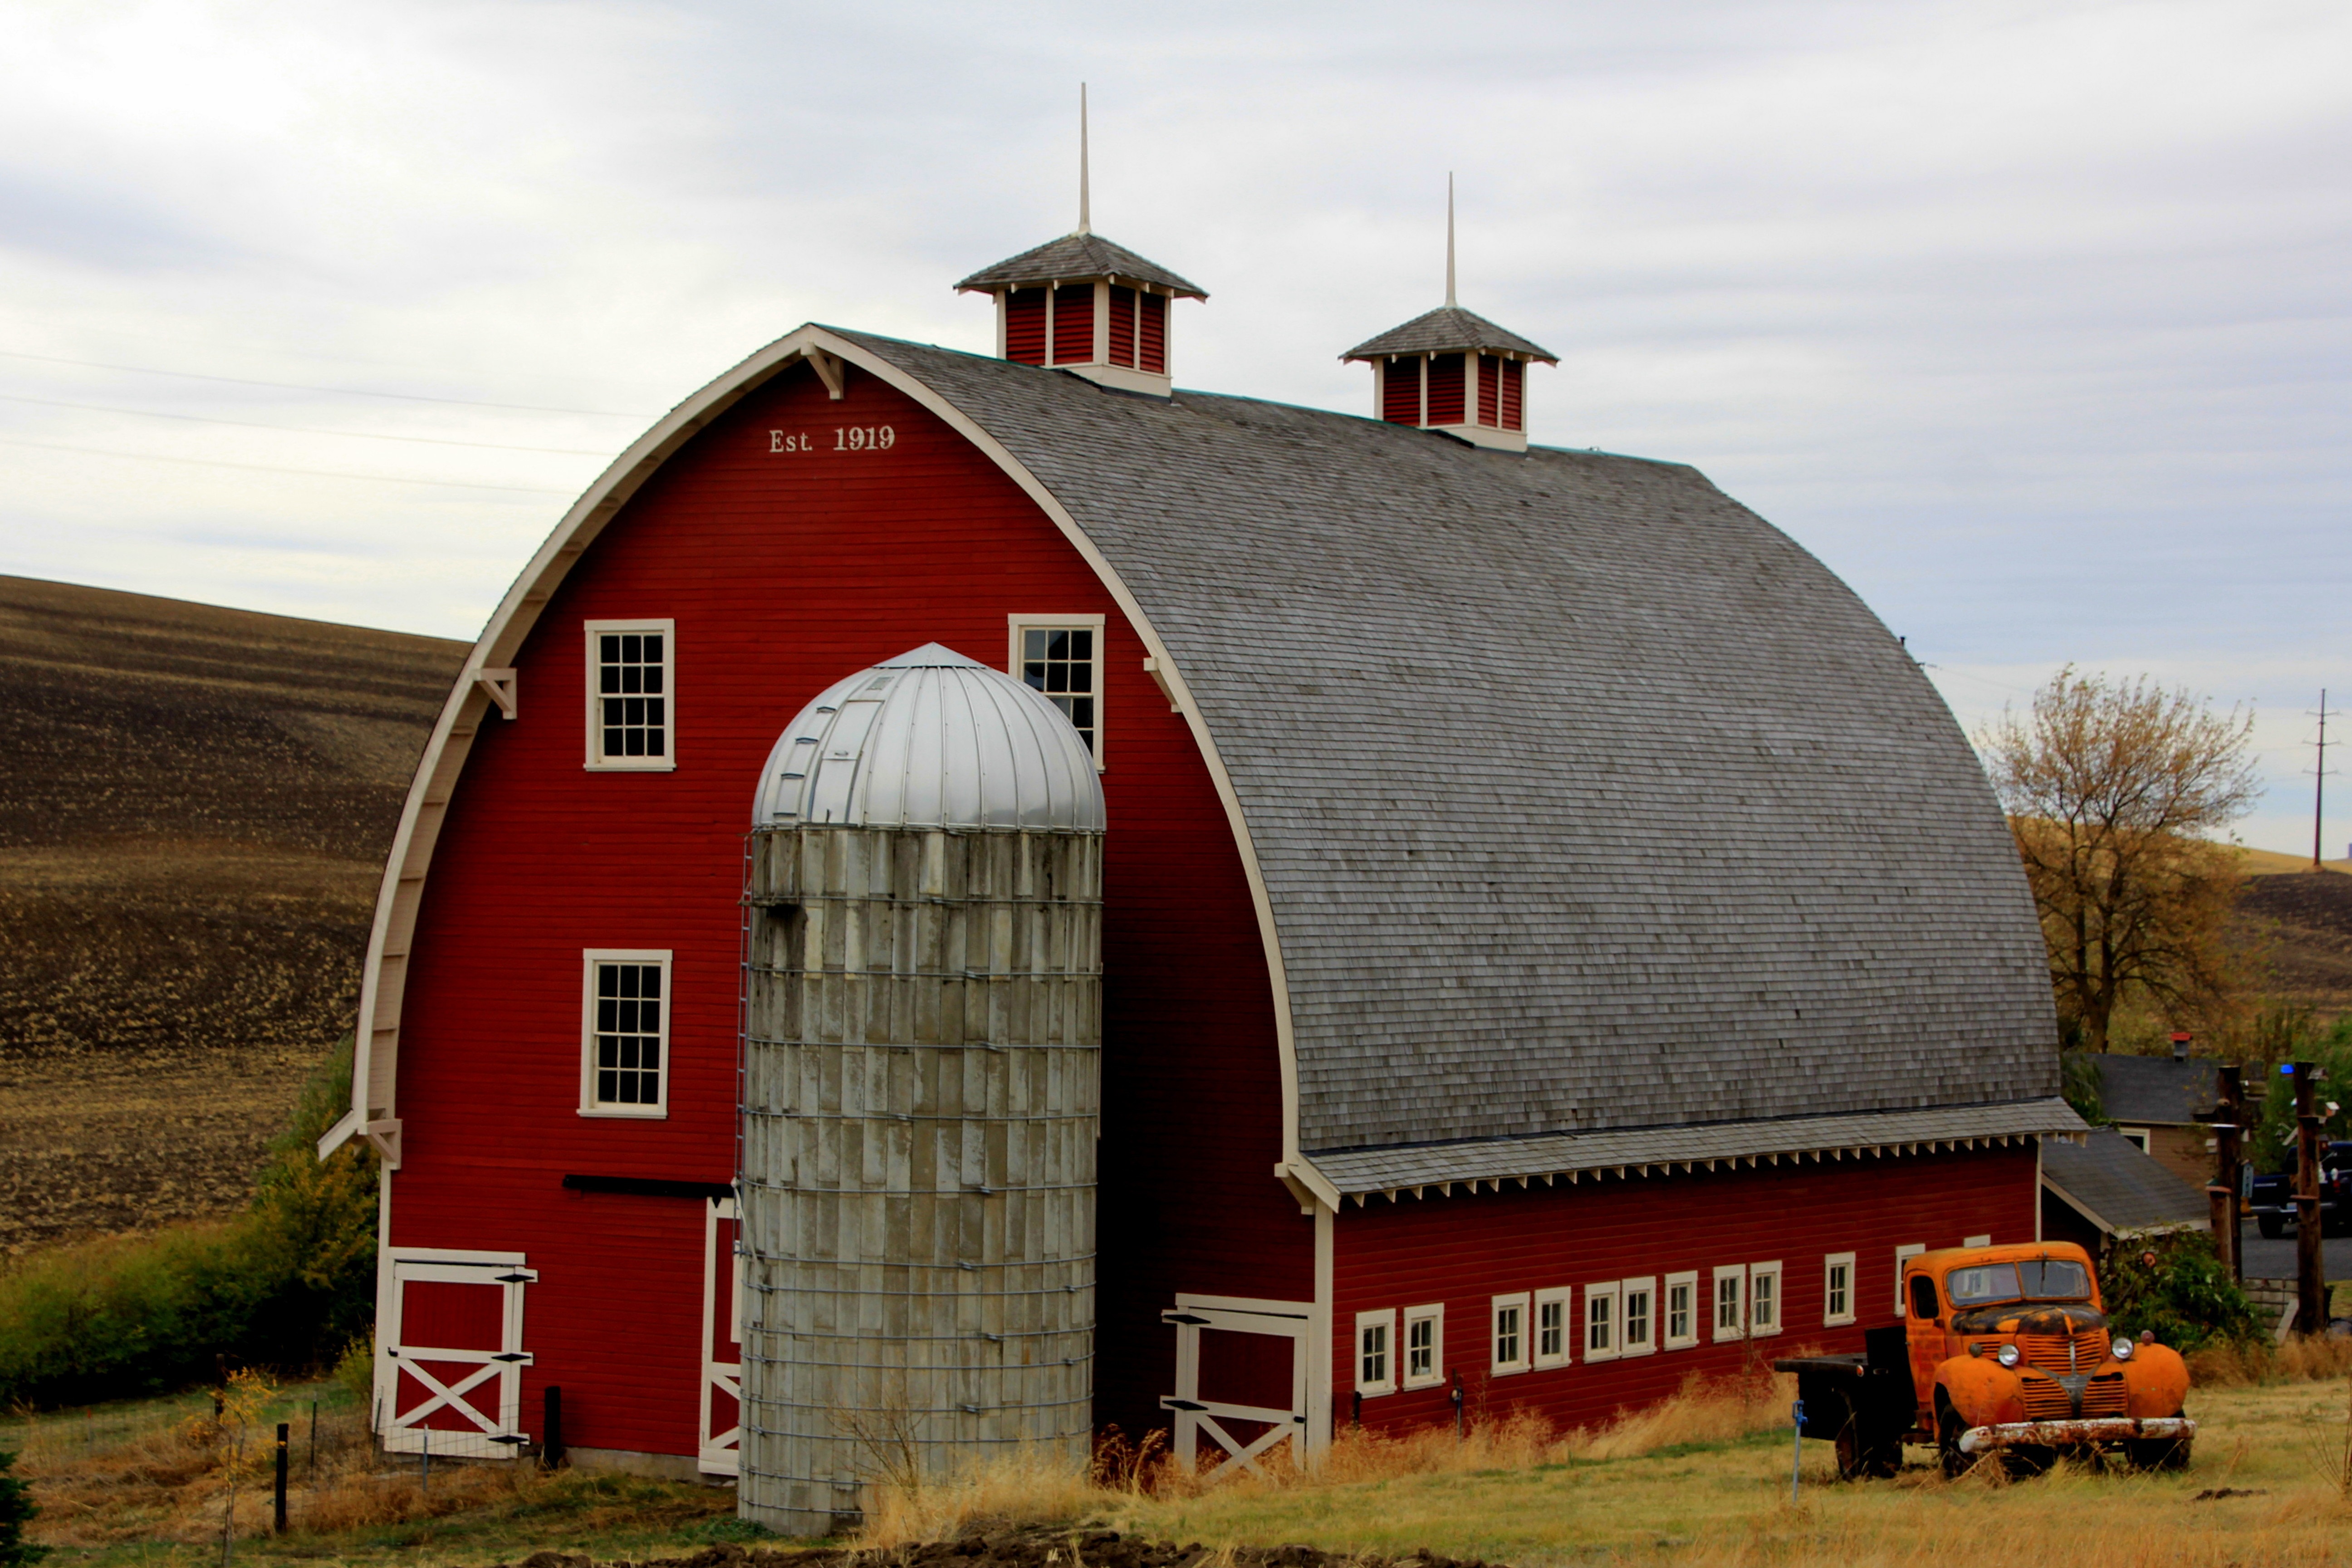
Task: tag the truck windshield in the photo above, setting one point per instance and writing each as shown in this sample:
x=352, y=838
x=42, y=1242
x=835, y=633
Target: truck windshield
x=2037, y=1279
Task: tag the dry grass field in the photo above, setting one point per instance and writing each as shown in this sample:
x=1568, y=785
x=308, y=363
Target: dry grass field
x=1701, y=1480
x=196, y=806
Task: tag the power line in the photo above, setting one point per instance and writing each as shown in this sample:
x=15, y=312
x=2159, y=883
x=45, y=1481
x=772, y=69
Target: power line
x=304, y=429
x=269, y=468
x=302, y=386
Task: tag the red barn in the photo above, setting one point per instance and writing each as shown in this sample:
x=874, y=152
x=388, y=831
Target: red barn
x=1551, y=935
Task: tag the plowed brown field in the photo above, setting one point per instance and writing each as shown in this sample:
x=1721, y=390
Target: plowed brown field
x=194, y=805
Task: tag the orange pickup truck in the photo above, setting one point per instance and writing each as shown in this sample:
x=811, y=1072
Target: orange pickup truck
x=2003, y=1350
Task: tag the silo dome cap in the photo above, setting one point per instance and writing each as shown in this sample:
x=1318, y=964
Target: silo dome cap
x=930, y=738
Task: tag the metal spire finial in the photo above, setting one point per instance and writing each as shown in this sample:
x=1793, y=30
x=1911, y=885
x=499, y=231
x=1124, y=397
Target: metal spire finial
x=1449, y=241
x=1085, y=220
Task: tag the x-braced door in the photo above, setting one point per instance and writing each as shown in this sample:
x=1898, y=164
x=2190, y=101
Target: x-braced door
x=722, y=1340
x=450, y=1376
x=1240, y=1378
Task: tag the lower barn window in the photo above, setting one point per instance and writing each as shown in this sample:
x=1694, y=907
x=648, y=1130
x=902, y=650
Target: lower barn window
x=1837, y=1287
x=1601, y=1321
x=624, y=1044
x=1680, y=1315
x=1551, y=1326
x=1764, y=1298
x=1637, y=1317
x=1376, y=1351
x=1062, y=656
x=1731, y=1303
x=1511, y=1334
x=1424, y=1345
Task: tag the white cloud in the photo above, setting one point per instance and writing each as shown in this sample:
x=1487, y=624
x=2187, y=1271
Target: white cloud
x=2027, y=318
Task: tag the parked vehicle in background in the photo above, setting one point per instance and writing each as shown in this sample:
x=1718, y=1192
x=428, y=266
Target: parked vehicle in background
x=2004, y=1350
x=2274, y=1197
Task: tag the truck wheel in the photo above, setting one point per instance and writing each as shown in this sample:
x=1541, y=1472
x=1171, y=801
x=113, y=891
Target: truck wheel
x=2157, y=1452
x=1862, y=1454
x=2271, y=1225
x=1949, y=1428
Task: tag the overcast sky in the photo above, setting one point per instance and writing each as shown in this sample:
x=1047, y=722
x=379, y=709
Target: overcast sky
x=2028, y=319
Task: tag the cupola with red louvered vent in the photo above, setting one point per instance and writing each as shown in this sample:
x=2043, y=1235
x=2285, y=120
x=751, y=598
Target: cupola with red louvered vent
x=1081, y=303
x=1453, y=370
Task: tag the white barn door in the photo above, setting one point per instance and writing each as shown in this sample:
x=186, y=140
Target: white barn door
x=720, y=1421
x=1240, y=1378
x=449, y=1371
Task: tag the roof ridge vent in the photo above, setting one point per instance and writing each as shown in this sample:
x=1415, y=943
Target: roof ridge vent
x=1085, y=304
x=1453, y=370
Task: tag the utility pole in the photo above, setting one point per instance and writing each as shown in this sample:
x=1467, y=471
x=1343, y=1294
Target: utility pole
x=2320, y=782
x=2229, y=1117
x=2310, y=1275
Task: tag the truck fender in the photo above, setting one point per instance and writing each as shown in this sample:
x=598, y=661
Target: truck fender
x=2155, y=1379
x=1982, y=1391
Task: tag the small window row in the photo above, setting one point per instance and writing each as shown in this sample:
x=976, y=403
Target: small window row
x=1608, y=1320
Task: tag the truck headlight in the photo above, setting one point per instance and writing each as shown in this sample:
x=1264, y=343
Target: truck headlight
x=2121, y=1347
x=2007, y=1356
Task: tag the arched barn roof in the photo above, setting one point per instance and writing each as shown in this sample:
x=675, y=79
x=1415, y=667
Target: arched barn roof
x=1591, y=822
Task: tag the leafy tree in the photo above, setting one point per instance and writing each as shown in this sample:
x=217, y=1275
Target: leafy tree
x=17, y=1510
x=2176, y=1286
x=2281, y=1039
x=2112, y=788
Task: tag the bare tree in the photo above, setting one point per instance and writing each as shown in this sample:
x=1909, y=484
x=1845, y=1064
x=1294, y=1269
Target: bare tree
x=2113, y=789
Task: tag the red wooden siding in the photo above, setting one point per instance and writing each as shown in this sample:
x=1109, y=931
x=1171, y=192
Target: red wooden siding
x=1122, y=325
x=1153, y=333
x=1401, y=392
x=1074, y=323
x=1024, y=326
x=785, y=569
x=1445, y=389
x=1490, y=378
x=1465, y=1250
x=1515, y=374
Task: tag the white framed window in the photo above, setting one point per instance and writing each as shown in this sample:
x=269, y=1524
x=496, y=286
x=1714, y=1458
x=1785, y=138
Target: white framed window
x=1424, y=1345
x=1510, y=1334
x=1977, y=1241
x=625, y=1032
x=1637, y=1317
x=1764, y=1298
x=1601, y=1321
x=1904, y=1255
x=1375, y=1366
x=2135, y=1136
x=1678, y=1311
x=1061, y=655
x=1837, y=1289
x=1729, y=1317
x=1552, y=1327
x=631, y=695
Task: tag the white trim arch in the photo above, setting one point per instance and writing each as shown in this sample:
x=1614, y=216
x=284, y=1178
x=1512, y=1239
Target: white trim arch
x=375, y=1063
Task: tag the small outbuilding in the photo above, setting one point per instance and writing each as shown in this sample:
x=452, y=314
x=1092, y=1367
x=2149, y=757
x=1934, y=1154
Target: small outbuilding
x=968, y=899
x=2106, y=1189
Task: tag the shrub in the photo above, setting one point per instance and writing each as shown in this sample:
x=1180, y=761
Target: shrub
x=2176, y=1286
x=17, y=1510
x=288, y=1282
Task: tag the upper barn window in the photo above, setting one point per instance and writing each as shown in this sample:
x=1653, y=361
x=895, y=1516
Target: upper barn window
x=1061, y=655
x=624, y=1033
x=632, y=694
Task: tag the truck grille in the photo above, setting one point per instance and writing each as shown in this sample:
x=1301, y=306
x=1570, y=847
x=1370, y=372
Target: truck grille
x=2046, y=1401
x=2048, y=1351
x=2106, y=1397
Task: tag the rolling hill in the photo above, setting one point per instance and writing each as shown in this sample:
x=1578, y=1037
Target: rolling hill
x=197, y=807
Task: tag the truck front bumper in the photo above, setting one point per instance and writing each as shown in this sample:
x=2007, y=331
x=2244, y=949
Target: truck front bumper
x=2090, y=1434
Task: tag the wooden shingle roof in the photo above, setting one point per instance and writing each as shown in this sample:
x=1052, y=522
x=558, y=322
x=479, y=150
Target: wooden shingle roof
x=1449, y=328
x=1585, y=801
x=1074, y=257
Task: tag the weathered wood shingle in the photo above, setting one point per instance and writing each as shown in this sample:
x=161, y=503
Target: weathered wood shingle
x=1585, y=799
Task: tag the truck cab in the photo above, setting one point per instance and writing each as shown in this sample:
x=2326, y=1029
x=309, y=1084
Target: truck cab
x=2001, y=1350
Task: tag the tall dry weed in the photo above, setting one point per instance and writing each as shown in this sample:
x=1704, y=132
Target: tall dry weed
x=1027, y=1486
x=2316, y=1359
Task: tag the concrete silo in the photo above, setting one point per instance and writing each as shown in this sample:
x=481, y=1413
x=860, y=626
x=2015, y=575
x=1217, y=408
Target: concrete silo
x=920, y=1086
